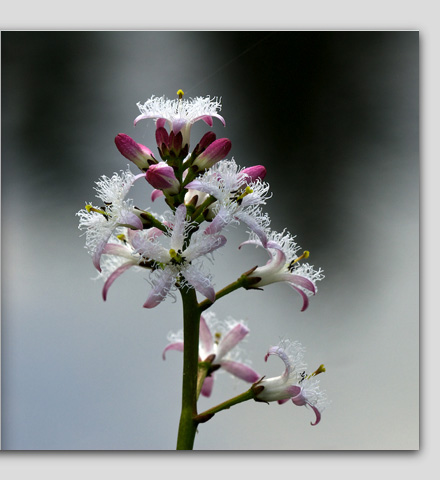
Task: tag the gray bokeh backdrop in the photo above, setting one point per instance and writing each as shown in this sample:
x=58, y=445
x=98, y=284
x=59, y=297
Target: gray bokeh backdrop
x=332, y=115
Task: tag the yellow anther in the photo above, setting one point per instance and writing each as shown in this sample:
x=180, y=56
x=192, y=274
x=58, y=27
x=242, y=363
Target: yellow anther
x=305, y=254
x=320, y=369
x=180, y=93
x=121, y=237
x=173, y=253
x=247, y=191
x=91, y=208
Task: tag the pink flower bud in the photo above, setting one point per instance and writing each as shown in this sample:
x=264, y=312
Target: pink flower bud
x=257, y=172
x=139, y=154
x=162, y=137
x=215, y=152
x=162, y=177
x=204, y=143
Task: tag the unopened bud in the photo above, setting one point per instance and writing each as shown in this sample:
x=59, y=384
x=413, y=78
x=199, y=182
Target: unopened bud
x=215, y=152
x=162, y=177
x=139, y=154
x=204, y=143
x=257, y=172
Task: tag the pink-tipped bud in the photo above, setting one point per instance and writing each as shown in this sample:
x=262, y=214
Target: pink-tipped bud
x=162, y=177
x=139, y=154
x=162, y=137
x=257, y=172
x=204, y=143
x=215, y=152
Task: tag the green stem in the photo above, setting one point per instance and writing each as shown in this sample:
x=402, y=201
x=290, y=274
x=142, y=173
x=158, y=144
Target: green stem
x=197, y=216
x=243, y=397
x=224, y=291
x=191, y=322
x=150, y=220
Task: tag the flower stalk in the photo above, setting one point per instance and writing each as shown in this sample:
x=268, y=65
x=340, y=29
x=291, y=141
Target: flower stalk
x=206, y=195
x=243, y=397
x=242, y=281
x=191, y=321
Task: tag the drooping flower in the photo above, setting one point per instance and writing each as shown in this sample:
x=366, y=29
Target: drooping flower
x=239, y=193
x=294, y=383
x=180, y=114
x=284, y=265
x=218, y=339
x=101, y=222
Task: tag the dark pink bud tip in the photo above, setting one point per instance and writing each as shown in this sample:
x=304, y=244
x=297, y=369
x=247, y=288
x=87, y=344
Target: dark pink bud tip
x=257, y=172
x=139, y=154
x=215, y=152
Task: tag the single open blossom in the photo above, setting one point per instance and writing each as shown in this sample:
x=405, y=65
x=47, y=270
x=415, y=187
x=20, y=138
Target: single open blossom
x=219, y=339
x=176, y=261
x=294, y=383
x=101, y=222
x=180, y=114
x=239, y=195
x=285, y=265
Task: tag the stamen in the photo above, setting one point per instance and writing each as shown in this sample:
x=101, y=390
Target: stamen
x=246, y=192
x=180, y=93
x=122, y=237
x=305, y=255
x=320, y=369
x=176, y=257
x=91, y=208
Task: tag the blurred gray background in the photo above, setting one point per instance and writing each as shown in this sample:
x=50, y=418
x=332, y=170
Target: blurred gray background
x=333, y=116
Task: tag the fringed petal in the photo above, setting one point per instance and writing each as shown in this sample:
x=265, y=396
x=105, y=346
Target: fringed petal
x=303, y=295
x=199, y=281
x=250, y=221
x=173, y=346
x=231, y=339
x=205, y=336
x=240, y=370
x=119, y=271
x=177, y=236
x=164, y=282
x=298, y=281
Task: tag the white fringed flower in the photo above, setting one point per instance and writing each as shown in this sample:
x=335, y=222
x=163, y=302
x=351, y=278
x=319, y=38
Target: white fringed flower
x=284, y=265
x=180, y=114
x=101, y=222
x=239, y=197
x=176, y=260
x=294, y=383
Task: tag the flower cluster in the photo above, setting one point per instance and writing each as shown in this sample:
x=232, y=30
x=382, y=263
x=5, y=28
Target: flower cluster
x=206, y=195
